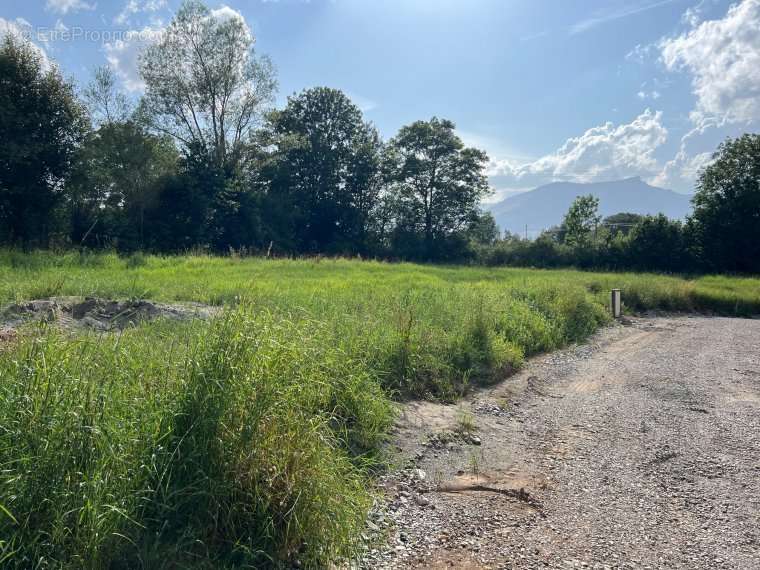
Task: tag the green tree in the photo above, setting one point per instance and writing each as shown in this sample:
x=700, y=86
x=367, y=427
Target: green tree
x=435, y=181
x=657, y=243
x=482, y=229
x=41, y=125
x=581, y=221
x=726, y=218
x=119, y=178
x=119, y=171
x=621, y=223
x=326, y=165
x=204, y=84
x=104, y=100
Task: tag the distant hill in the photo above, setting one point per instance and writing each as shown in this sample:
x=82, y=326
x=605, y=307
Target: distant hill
x=546, y=205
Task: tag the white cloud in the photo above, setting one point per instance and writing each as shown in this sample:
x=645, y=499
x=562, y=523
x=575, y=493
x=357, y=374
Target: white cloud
x=695, y=152
x=654, y=94
x=682, y=170
x=123, y=55
x=605, y=152
x=131, y=7
x=695, y=14
x=66, y=6
x=134, y=7
x=640, y=53
x=723, y=57
x=224, y=13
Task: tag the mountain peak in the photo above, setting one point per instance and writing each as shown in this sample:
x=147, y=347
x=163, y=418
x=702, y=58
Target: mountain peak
x=545, y=206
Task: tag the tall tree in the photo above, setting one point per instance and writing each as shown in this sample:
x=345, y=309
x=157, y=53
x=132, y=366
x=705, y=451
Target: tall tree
x=726, y=218
x=483, y=229
x=106, y=103
x=657, y=243
x=328, y=166
x=118, y=180
x=436, y=182
x=205, y=86
x=41, y=126
x=119, y=170
x=581, y=221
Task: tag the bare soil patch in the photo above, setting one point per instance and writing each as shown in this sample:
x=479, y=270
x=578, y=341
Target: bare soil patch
x=94, y=313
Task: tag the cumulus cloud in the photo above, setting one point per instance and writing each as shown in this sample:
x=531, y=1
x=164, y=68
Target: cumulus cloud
x=723, y=57
x=224, y=13
x=66, y=6
x=695, y=152
x=682, y=170
x=604, y=152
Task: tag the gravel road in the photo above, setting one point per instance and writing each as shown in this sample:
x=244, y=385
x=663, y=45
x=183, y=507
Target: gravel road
x=640, y=449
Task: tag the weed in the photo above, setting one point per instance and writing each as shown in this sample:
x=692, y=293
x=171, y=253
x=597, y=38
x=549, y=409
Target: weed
x=137, y=259
x=465, y=422
x=474, y=464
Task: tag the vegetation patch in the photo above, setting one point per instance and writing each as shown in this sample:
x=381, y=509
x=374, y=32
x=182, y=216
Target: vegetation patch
x=250, y=438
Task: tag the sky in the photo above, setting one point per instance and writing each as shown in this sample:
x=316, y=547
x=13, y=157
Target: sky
x=552, y=90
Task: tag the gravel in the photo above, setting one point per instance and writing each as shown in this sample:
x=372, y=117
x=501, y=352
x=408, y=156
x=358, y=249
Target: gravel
x=639, y=449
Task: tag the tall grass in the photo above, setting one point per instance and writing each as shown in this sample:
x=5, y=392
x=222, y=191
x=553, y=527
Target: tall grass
x=240, y=442
x=248, y=441
x=318, y=284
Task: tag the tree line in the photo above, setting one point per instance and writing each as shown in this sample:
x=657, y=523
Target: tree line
x=204, y=161
x=722, y=234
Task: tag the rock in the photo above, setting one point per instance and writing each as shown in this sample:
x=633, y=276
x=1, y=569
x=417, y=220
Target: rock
x=421, y=500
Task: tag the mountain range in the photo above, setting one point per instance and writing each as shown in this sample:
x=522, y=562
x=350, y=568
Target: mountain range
x=546, y=205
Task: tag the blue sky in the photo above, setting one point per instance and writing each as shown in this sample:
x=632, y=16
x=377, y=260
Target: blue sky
x=552, y=90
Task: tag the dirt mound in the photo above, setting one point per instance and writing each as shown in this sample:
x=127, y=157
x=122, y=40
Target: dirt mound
x=98, y=314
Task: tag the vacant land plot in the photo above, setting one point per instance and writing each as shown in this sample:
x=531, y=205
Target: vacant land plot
x=247, y=436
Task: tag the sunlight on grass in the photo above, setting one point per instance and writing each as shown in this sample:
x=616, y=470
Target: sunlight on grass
x=251, y=438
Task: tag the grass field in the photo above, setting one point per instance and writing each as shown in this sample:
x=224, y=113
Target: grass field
x=249, y=440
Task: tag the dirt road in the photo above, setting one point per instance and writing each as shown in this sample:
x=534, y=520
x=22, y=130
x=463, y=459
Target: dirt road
x=640, y=449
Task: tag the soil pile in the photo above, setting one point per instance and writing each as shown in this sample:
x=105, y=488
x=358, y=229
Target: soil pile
x=98, y=314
